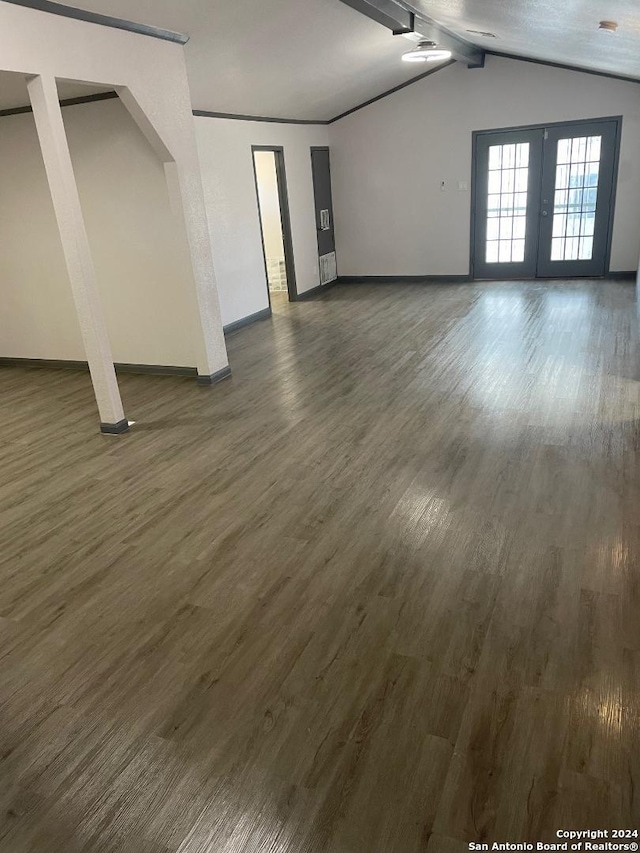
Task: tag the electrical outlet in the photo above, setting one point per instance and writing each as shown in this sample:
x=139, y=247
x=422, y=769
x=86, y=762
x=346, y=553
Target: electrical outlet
x=463, y=186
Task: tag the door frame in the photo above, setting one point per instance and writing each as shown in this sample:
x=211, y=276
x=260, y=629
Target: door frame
x=285, y=218
x=312, y=150
x=555, y=124
x=326, y=148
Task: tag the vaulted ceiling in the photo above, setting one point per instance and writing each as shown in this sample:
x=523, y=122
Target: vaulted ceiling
x=304, y=59
x=314, y=59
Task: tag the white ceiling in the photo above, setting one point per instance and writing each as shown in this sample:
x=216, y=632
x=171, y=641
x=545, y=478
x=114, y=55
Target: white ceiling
x=314, y=59
x=304, y=59
x=564, y=31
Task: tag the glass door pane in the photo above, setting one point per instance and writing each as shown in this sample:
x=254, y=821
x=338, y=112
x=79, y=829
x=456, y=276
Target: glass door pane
x=507, y=203
x=575, y=198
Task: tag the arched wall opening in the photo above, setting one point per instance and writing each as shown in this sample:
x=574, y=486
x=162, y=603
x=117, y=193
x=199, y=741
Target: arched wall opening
x=148, y=70
x=139, y=256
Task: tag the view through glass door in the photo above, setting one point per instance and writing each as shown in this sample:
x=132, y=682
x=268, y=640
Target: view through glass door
x=542, y=200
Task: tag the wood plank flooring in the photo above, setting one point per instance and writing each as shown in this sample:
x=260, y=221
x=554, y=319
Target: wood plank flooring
x=378, y=593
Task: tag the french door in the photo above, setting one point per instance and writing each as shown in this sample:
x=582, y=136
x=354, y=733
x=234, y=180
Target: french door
x=543, y=200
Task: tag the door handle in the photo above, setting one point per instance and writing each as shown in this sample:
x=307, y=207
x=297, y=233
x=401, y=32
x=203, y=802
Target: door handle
x=545, y=212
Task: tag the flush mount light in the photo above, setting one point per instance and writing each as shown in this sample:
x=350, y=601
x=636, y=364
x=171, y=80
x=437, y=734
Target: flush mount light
x=608, y=26
x=426, y=51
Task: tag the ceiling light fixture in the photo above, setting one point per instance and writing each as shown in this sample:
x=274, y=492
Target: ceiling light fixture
x=426, y=51
x=608, y=26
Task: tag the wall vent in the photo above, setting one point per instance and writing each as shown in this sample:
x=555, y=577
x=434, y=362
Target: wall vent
x=328, y=268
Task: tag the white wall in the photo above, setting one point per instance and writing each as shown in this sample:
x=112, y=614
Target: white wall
x=388, y=160
x=38, y=316
x=230, y=198
x=133, y=236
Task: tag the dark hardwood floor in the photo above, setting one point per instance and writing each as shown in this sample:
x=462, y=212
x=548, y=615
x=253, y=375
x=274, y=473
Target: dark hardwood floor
x=378, y=593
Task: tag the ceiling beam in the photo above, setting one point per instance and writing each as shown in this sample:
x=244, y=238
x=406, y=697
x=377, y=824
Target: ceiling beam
x=104, y=20
x=462, y=50
x=401, y=17
x=385, y=12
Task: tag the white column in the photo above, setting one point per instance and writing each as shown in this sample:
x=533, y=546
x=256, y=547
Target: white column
x=186, y=197
x=43, y=94
x=187, y=203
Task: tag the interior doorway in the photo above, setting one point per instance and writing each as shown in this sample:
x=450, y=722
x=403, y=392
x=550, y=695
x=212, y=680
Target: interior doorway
x=543, y=200
x=275, y=225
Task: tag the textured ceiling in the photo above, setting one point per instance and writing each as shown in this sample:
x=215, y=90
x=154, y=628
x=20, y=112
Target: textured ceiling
x=564, y=31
